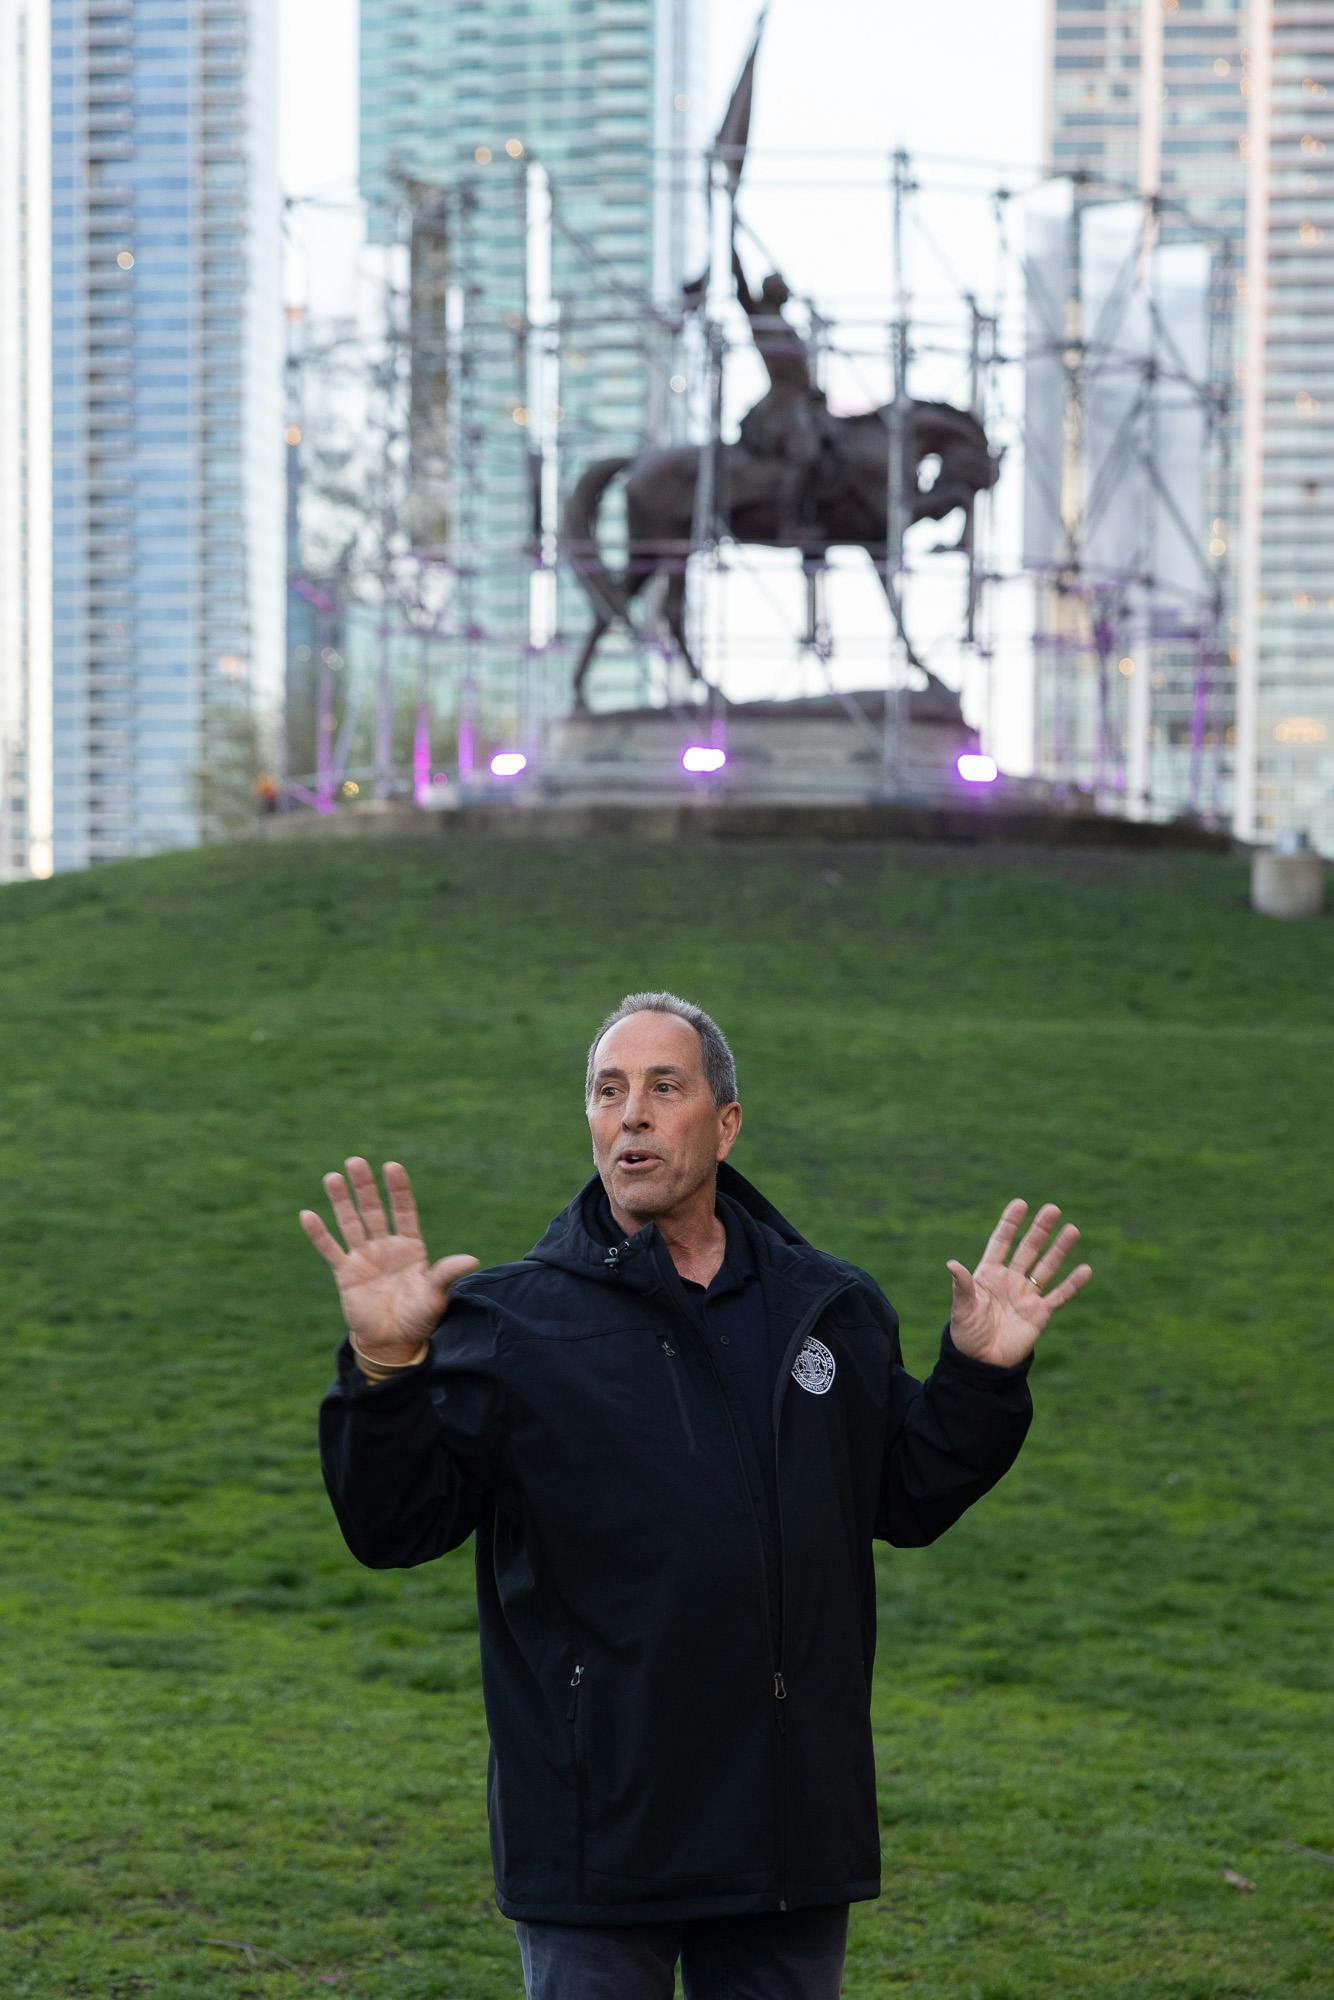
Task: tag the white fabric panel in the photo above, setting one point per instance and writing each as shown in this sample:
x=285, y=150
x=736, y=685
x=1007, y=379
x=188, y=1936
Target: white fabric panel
x=1046, y=239
x=1181, y=285
x=1118, y=335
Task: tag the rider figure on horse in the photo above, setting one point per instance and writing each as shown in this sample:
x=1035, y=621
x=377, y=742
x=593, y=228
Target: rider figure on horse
x=788, y=423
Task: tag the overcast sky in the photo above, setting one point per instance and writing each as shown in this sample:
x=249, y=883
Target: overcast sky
x=841, y=84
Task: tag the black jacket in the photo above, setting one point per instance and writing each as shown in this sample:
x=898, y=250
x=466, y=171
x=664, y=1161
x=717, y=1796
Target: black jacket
x=652, y=1756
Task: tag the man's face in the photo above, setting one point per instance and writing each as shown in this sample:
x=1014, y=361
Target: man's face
x=649, y=1099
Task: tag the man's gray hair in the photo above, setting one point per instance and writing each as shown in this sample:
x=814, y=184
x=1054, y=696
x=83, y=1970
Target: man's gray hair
x=719, y=1068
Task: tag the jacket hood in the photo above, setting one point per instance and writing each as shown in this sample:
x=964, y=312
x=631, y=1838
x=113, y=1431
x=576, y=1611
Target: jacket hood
x=572, y=1241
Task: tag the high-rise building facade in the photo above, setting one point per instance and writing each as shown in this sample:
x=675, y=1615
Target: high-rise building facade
x=142, y=189
x=1226, y=108
x=607, y=96
x=1285, y=673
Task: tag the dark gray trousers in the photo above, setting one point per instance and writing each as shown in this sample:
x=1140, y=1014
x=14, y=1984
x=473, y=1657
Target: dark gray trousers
x=782, y=1955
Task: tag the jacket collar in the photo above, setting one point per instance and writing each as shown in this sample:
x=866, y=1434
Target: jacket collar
x=573, y=1242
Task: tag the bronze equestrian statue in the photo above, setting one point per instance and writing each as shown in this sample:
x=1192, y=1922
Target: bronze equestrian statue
x=839, y=498
x=789, y=423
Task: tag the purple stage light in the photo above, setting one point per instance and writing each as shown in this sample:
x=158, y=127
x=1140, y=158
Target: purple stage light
x=699, y=757
x=508, y=763
x=976, y=770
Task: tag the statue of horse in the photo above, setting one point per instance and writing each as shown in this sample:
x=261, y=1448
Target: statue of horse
x=847, y=505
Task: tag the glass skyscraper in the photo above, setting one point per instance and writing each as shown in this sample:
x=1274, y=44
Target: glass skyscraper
x=607, y=96
x=1227, y=107
x=1285, y=674
x=140, y=191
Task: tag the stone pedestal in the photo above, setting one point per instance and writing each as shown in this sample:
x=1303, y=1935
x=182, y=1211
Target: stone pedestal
x=811, y=750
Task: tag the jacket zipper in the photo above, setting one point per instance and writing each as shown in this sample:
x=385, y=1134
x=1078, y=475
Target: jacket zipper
x=686, y=1424
x=811, y=1319
x=779, y=1685
x=572, y=1717
x=741, y=1465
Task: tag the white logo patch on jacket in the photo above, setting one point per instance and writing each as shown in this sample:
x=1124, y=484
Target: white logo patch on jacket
x=814, y=1367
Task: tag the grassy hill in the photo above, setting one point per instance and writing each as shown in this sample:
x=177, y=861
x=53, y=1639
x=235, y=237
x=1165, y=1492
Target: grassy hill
x=242, y=1766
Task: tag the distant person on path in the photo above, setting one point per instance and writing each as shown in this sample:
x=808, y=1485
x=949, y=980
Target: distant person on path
x=676, y=1430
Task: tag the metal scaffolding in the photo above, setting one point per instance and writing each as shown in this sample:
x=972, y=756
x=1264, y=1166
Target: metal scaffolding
x=1071, y=357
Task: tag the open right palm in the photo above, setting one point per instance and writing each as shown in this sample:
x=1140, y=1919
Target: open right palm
x=391, y=1294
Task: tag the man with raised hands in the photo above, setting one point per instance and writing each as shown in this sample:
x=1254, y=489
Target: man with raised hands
x=675, y=1429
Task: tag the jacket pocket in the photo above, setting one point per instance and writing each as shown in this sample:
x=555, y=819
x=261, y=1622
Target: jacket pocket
x=673, y=1369
x=576, y=1747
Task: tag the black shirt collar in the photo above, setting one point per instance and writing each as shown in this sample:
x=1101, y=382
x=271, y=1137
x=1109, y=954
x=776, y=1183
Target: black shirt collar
x=738, y=1259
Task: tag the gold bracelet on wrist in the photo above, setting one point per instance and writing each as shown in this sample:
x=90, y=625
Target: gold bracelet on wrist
x=376, y=1370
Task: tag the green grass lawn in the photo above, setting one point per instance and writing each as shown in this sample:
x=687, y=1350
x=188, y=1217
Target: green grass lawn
x=238, y=1765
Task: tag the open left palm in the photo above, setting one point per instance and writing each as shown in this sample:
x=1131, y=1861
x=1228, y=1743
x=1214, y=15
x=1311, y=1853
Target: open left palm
x=999, y=1309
